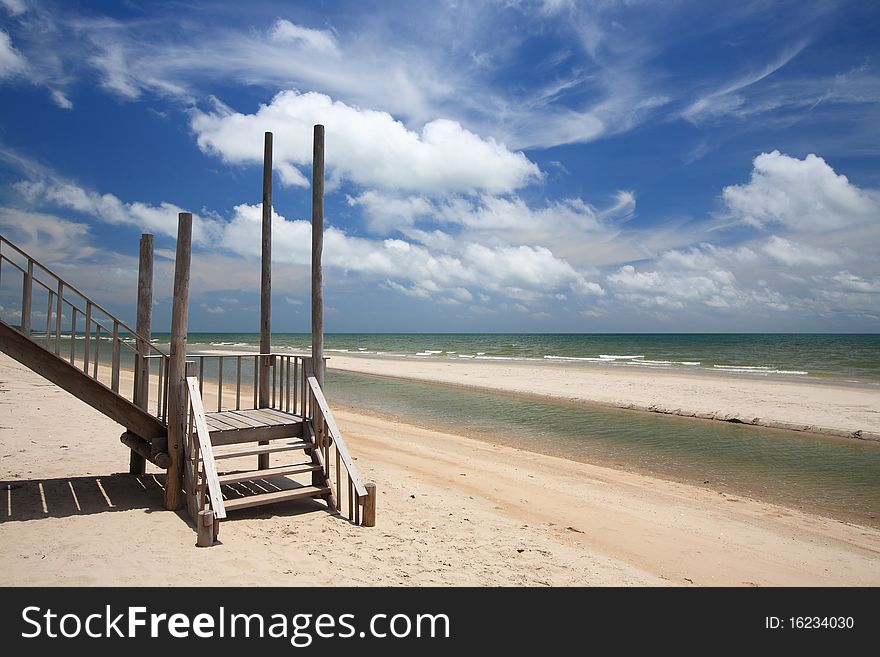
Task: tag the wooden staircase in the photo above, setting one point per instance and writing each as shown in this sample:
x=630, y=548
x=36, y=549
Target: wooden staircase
x=130, y=385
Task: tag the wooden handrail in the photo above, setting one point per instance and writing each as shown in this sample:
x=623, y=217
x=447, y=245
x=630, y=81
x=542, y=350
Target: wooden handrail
x=34, y=261
x=209, y=468
x=341, y=448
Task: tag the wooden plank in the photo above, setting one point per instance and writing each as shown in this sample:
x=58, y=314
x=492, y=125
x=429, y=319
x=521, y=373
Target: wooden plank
x=279, y=415
x=263, y=449
x=244, y=417
x=256, y=434
x=71, y=378
x=276, y=497
x=210, y=469
x=269, y=472
x=216, y=424
x=337, y=436
x=268, y=419
x=228, y=418
x=177, y=384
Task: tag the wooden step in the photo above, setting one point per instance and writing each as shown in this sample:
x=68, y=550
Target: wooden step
x=260, y=474
x=264, y=449
x=274, y=498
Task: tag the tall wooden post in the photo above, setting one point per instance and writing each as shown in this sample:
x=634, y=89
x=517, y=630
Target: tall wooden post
x=317, y=250
x=177, y=366
x=266, y=286
x=137, y=464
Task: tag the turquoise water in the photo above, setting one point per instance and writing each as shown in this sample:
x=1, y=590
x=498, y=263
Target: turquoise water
x=839, y=478
x=851, y=358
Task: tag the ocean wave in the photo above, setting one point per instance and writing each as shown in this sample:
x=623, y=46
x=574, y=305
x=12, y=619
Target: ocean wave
x=616, y=357
x=586, y=358
x=689, y=362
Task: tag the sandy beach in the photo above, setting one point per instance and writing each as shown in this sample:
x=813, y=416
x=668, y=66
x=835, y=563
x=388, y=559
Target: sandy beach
x=452, y=511
x=816, y=407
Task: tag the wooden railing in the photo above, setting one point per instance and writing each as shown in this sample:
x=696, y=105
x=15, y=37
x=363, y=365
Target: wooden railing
x=332, y=454
x=204, y=499
x=71, y=317
x=231, y=381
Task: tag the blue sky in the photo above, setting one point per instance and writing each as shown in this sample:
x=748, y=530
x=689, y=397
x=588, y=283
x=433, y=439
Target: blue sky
x=492, y=166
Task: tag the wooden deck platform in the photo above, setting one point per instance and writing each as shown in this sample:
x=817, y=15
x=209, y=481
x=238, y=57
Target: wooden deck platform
x=230, y=427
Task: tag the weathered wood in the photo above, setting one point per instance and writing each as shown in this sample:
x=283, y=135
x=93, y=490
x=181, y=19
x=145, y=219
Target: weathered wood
x=26, y=297
x=266, y=283
x=369, y=516
x=284, y=470
x=263, y=449
x=87, y=337
x=71, y=378
x=317, y=251
x=114, y=362
x=261, y=434
x=59, y=299
x=205, y=530
x=204, y=443
x=177, y=405
x=238, y=383
x=144, y=327
x=275, y=497
x=330, y=421
x=220, y=384
x=143, y=448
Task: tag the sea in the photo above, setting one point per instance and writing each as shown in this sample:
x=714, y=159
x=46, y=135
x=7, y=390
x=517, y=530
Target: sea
x=843, y=358
x=835, y=477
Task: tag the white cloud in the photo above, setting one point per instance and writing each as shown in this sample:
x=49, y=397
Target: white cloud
x=60, y=99
x=108, y=208
x=727, y=101
x=12, y=64
x=320, y=41
x=794, y=254
x=799, y=194
x=368, y=147
x=14, y=7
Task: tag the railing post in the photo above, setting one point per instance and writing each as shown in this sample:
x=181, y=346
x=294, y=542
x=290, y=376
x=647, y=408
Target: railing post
x=177, y=366
x=369, y=516
x=58, y=310
x=26, y=292
x=205, y=535
x=144, y=327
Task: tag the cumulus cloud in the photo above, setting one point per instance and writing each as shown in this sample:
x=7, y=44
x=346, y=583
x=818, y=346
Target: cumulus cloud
x=799, y=194
x=367, y=147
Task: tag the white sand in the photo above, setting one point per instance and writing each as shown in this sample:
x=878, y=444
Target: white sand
x=451, y=511
x=822, y=408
